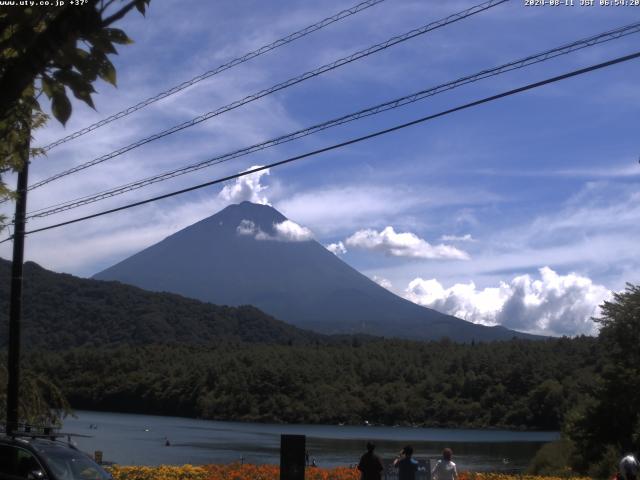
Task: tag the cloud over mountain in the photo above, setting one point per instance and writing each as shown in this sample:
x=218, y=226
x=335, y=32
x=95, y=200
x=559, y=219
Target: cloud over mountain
x=285, y=231
x=405, y=244
x=247, y=188
x=290, y=231
x=247, y=227
x=337, y=248
x=383, y=282
x=553, y=304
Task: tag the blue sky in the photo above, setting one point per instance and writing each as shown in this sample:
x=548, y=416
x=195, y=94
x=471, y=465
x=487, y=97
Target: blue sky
x=524, y=211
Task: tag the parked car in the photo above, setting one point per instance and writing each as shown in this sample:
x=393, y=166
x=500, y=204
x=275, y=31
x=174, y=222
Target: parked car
x=28, y=458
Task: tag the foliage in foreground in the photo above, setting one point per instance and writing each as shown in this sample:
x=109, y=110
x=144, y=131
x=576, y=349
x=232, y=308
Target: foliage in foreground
x=606, y=424
x=552, y=459
x=52, y=50
x=272, y=472
x=41, y=401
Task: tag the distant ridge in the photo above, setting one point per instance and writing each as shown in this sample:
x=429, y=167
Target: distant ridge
x=300, y=282
x=62, y=311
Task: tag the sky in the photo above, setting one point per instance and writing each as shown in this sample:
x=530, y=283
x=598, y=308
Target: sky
x=523, y=212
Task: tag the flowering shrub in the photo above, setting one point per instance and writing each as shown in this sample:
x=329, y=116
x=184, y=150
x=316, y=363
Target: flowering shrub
x=503, y=476
x=237, y=471
x=225, y=472
x=163, y=472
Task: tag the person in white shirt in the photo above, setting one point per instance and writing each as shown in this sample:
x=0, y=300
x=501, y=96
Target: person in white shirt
x=445, y=469
x=629, y=467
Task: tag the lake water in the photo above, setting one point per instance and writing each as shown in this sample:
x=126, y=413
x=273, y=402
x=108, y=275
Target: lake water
x=140, y=440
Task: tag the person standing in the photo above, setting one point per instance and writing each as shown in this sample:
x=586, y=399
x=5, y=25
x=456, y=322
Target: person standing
x=629, y=467
x=370, y=464
x=445, y=469
x=406, y=465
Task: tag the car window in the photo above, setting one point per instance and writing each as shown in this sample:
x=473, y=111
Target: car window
x=26, y=463
x=72, y=465
x=8, y=458
x=16, y=462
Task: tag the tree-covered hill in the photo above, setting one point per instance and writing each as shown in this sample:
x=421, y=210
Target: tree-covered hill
x=114, y=347
x=62, y=311
x=515, y=384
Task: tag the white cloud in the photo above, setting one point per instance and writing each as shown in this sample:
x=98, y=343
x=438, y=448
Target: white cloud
x=337, y=248
x=334, y=210
x=289, y=231
x=383, y=282
x=286, y=231
x=454, y=238
x=246, y=188
x=551, y=305
x=246, y=227
x=593, y=231
x=404, y=244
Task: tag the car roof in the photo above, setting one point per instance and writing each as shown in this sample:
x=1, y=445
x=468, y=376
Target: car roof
x=35, y=443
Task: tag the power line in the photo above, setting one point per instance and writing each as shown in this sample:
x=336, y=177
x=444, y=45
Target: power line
x=514, y=91
x=280, y=86
x=396, y=103
x=226, y=66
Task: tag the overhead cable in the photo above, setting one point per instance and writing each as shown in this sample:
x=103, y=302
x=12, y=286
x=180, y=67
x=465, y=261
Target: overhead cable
x=280, y=86
x=398, y=102
x=514, y=91
x=226, y=66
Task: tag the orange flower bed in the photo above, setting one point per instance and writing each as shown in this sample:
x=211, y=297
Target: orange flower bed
x=237, y=471
x=272, y=472
x=226, y=472
x=163, y=472
x=503, y=476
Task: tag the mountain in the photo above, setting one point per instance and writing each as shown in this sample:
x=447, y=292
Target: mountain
x=62, y=311
x=239, y=257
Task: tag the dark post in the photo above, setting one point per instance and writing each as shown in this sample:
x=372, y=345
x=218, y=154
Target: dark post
x=15, y=303
x=292, y=448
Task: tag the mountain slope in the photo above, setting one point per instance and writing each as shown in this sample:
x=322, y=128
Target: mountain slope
x=299, y=282
x=62, y=311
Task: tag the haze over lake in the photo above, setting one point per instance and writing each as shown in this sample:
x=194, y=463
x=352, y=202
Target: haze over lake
x=130, y=439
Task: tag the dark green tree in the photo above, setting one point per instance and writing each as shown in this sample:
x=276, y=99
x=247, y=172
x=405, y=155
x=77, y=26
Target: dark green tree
x=49, y=50
x=52, y=50
x=608, y=423
x=41, y=401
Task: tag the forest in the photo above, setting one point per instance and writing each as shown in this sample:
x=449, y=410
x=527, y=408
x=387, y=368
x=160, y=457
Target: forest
x=516, y=384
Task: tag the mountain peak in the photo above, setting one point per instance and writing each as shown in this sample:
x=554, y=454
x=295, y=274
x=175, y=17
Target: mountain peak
x=262, y=215
x=228, y=221
x=240, y=256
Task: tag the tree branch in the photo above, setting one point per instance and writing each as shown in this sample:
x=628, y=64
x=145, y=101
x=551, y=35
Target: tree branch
x=103, y=7
x=20, y=72
x=119, y=14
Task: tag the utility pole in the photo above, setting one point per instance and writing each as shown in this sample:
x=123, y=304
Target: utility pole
x=15, y=303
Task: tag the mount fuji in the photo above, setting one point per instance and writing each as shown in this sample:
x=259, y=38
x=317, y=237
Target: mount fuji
x=249, y=254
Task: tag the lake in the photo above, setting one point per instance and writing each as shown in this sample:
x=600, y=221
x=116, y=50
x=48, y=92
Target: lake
x=129, y=439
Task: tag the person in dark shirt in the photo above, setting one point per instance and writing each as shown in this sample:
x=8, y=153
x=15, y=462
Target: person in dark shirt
x=407, y=466
x=629, y=467
x=370, y=464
